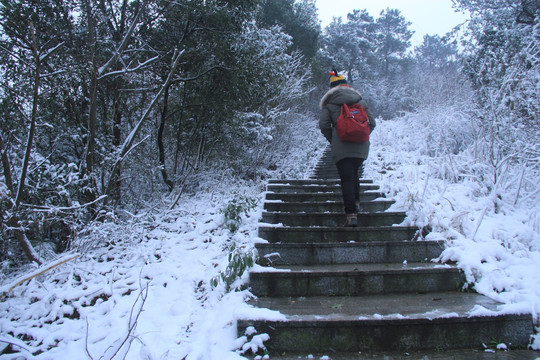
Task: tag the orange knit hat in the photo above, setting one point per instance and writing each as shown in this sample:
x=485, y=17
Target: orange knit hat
x=336, y=79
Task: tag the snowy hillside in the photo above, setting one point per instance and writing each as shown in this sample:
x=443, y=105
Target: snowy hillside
x=154, y=287
x=491, y=228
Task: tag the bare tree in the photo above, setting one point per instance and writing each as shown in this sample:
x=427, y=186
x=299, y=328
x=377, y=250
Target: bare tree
x=98, y=73
x=39, y=55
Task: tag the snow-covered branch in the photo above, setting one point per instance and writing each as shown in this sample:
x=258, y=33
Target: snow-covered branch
x=192, y=78
x=130, y=139
x=129, y=70
x=53, y=74
x=64, y=259
x=124, y=43
x=55, y=209
x=49, y=52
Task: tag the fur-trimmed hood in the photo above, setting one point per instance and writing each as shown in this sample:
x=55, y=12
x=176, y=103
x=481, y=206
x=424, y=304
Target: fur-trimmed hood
x=341, y=92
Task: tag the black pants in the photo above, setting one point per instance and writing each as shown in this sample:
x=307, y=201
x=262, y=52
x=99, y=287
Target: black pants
x=348, y=170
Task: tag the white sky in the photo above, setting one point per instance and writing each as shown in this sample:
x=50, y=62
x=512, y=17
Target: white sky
x=427, y=16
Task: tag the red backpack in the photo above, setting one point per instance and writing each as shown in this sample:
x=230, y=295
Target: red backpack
x=353, y=124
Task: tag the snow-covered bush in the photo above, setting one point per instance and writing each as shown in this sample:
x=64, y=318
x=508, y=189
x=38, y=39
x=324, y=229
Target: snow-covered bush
x=50, y=211
x=239, y=260
x=254, y=343
x=238, y=206
x=488, y=216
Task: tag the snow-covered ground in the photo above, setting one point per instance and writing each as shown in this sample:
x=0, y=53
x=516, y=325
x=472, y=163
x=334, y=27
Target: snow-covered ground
x=491, y=228
x=151, y=287
x=147, y=293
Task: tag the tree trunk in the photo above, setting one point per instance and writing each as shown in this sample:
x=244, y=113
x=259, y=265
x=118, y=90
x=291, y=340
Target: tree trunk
x=161, y=148
x=130, y=139
x=96, y=73
x=179, y=133
x=23, y=241
x=13, y=221
x=87, y=171
x=33, y=116
x=6, y=165
x=116, y=192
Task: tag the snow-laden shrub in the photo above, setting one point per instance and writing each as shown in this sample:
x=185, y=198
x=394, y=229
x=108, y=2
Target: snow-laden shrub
x=240, y=259
x=50, y=210
x=254, y=343
x=238, y=206
x=485, y=208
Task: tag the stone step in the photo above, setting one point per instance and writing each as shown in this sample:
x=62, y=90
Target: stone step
x=364, y=289
x=302, y=189
x=326, y=164
x=476, y=353
x=375, y=323
x=326, y=206
x=326, y=168
x=349, y=253
x=332, y=219
x=319, y=197
x=354, y=279
x=313, y=181
x=278, y=234
x=326, y=174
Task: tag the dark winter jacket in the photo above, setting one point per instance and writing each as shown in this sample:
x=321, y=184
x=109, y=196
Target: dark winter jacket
x=330, y=109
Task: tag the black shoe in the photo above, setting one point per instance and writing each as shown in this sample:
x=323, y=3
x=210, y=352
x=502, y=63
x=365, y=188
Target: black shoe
x=351, y=220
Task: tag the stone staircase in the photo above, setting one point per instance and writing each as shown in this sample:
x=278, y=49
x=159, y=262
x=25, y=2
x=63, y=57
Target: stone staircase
x=368, y=289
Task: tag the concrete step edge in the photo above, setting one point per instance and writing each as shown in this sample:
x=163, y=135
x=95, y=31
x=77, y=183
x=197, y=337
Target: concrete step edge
x=349, y=244
x=266, y=226
x=322, y=214
x=313, y=181
x=375, y=319
x=351, y=269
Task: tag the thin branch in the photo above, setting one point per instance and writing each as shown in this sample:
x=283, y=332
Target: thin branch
x=133, y=321
x=60, y=208
x=53, y=73
x=11, y=53
x=199, y=75
x=519, y=186
x=129, y=70
x=181, y=189
x=133, y=147
x=479, y=222
x=14, y=342
x=49, y=52
x=128, y=143
x=123, y=44
x=86, y=340
x=40, y=272
x=530, y=195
